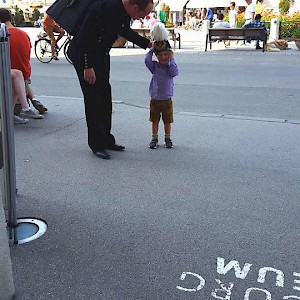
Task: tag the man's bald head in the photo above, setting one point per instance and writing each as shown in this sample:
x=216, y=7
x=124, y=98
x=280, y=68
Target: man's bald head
x=138, y=8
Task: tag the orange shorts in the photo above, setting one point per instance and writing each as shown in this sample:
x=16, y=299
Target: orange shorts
x=50, y=30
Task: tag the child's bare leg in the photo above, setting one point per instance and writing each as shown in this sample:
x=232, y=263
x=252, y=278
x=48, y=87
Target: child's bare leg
x=167, y=129
x=154, y=140
x=168, y=141
x=155, y=128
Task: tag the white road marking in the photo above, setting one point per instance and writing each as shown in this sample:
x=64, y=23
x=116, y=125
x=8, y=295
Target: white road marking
x=222, y=269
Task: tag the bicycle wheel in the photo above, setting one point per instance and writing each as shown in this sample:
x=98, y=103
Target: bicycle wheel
x=66, y=47
x=43, y=50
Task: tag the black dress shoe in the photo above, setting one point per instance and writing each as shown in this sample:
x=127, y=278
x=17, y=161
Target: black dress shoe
x=116, y=147
x=102, y=154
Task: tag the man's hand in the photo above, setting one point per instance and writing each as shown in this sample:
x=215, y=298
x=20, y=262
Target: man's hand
x=89, y=75
x=150, y=45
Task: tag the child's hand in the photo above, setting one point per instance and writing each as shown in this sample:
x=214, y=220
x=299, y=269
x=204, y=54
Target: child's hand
x=171, y=55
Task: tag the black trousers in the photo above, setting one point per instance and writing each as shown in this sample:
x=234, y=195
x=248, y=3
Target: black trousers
x=98, y=106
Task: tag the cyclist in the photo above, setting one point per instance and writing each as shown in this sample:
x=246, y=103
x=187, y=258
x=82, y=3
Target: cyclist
x=50, y=27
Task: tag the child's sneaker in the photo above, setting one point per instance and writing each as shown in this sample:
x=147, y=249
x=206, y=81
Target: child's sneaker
x=168, y=143
x=153, y=144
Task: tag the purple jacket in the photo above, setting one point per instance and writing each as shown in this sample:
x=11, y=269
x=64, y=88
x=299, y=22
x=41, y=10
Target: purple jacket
x=161, y=85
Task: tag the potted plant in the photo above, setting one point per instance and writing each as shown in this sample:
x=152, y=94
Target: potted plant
x=296, y=37
x=169, y=24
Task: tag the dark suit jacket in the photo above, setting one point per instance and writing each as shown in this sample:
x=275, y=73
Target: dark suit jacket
x=105, y=21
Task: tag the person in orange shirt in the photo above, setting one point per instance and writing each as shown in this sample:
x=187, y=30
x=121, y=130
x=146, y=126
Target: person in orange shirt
x=20, y=48
x=50, y=27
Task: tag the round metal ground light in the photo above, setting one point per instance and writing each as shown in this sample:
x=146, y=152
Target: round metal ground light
x=30, y=229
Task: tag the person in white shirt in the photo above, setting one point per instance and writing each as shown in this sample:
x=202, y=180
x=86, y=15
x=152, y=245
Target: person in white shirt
x=232, y=18
x=221, y=24
x=153, y=20
x=249, y=15
x=232, y=15
x=249, y=12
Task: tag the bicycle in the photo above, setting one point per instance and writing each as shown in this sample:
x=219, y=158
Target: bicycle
x=42, y=48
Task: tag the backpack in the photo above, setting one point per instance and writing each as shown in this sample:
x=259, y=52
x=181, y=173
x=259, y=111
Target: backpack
x=69, y=14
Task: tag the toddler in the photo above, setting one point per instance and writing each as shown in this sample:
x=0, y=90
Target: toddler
x=161, y=89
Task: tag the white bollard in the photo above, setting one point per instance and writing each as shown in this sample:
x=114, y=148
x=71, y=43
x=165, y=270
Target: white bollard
x=274, y=29
x=204, y=29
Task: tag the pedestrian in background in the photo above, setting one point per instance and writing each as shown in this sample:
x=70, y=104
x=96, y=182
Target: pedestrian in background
x=209, y=15
x=256, y=23
x=20, y=49
x=220, y=23
x=249, y=12
x=153, y=20
x=259, y=7
x=232, y=15
x=162, y=14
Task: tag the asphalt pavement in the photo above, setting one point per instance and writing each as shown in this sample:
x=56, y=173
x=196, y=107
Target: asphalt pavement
x=216, y=217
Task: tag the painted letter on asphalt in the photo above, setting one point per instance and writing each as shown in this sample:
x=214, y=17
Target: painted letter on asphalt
x=198, y=288
x=267, y=293
x=297, y=288
x=279, y=277
x=222, y=269
x=222, y=290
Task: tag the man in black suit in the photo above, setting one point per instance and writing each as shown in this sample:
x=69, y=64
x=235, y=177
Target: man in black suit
x=89, y=51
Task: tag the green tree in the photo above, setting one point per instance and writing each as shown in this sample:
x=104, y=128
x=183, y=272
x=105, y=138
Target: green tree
x=19, y=17
x=284, y=6
x=35, y=14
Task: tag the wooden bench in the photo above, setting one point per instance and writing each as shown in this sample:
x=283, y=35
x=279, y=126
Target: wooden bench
x=215, y=34
x=174, y=36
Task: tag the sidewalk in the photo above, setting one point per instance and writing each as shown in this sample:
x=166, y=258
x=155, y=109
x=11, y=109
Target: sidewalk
x=126, y=228
x=191, y=41
x=194, y=41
